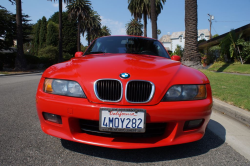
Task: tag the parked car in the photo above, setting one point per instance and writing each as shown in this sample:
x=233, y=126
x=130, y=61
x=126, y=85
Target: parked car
x=124, y=92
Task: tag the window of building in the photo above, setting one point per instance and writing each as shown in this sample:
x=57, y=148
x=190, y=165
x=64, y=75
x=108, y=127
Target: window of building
x=180, y=38
x=202, y=36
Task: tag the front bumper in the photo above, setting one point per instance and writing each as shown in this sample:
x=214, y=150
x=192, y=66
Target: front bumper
x=175, y=114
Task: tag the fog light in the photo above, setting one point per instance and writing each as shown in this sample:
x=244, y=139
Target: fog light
x=193, y=124
x=52, y=118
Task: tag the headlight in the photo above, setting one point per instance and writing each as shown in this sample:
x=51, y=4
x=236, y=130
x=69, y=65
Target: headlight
x=185, y=92
x=63, y=87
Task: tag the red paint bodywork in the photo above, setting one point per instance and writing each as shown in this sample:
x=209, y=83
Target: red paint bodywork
x=161, y=71
x=176, y=58
x=78, y=54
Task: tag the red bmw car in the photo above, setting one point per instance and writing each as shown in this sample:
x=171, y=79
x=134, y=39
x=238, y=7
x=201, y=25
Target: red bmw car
x=124, y=92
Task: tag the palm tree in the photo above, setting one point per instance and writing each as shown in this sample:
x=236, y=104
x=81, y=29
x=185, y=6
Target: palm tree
x=134, y=27
x=60, y=58
x=105, y=31
x=153, y=19
x=92, y=25
x=191, y=57
x=20, y=62
x=79, y=9
x=139, y=8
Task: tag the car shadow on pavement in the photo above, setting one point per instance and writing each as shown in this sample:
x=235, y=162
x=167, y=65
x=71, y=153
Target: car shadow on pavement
x=208, y=142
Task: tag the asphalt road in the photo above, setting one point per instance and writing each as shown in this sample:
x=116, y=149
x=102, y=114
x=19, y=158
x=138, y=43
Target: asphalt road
x=22, y=142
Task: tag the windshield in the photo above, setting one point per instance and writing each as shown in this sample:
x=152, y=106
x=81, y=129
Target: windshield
x=127, y=44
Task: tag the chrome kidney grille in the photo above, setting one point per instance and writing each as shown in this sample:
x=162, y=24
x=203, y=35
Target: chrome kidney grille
x=137, y=91
x=108, y=90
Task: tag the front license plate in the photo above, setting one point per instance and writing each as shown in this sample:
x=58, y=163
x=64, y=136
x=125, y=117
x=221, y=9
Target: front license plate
x=122, y=120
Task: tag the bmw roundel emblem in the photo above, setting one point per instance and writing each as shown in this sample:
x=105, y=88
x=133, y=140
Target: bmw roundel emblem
x=124, y=75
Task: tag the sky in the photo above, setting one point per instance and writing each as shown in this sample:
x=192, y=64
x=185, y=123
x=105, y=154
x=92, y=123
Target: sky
x=228, y=14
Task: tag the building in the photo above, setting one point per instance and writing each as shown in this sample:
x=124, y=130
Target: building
x=170, y=42
x=204, y=46
x=166, y=41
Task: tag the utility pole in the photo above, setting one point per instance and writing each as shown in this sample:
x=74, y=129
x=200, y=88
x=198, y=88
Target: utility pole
x=210, y=21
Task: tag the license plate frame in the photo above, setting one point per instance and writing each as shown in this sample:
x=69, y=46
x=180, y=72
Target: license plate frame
x=124, y=113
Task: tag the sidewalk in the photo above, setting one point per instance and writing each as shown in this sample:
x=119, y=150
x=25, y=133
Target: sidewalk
x=232, y=73
x=21, y=73
x=232, y=111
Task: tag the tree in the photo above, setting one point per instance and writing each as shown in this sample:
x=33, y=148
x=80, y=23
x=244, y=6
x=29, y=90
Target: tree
x=158, y=32
x=105, y=31
x=191, y=57
x=141, y=8
x=52, y=34
x=20, y=62
x=234, y=45
x=78, y=10
x=134, y=27
x=43, y=33
x=178, y=51
x=153, y=19
x=69, y=35
x=216, y=35
x=92, y=24
x=69, y=30
x=36, y=37
x=7, y=29
x=60, y=57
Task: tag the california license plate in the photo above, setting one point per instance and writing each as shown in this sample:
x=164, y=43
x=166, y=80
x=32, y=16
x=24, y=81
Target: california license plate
x=122, y=120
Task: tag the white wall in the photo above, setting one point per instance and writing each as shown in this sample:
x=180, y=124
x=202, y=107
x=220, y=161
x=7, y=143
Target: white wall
x=167, y=44
x=176, y=42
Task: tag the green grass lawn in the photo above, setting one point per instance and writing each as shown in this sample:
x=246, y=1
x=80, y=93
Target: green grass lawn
x=233, y=89
x=3, y=72
x=230, y=67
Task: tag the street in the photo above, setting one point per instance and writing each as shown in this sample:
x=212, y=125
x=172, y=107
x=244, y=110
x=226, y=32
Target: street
x=22, y=141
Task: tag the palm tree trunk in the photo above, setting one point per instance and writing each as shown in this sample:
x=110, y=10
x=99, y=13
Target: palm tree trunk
x=145, y=24
x=88, y=36
x=78, y=34
x=20, y=62
x=60, y=58
x=153, y=19
x=191, y=55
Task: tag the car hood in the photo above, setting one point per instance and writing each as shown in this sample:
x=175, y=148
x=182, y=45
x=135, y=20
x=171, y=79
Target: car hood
x=162, y=72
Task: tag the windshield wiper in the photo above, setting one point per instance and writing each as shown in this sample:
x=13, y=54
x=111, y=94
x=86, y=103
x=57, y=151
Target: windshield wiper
x=97, y=52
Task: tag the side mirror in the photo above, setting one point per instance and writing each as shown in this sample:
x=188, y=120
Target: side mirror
x=176, y=58
x=78, y=54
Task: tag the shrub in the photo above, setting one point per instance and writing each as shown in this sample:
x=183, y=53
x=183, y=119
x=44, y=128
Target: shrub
x=67, y=56
x=48, y=55
x=31, y=59
x=178, y=51
x=7, y=60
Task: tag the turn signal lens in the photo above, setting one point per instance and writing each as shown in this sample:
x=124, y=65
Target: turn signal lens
x=48, y=86
x=202, y=92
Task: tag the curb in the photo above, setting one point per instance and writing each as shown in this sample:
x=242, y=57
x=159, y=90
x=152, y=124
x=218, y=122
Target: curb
x=242, y=74
x=21, y=73
x=232, y=111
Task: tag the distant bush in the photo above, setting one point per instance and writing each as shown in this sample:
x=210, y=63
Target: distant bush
x=48, y=55
x=67, y=56
x=31, y=59
x=7, y=60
